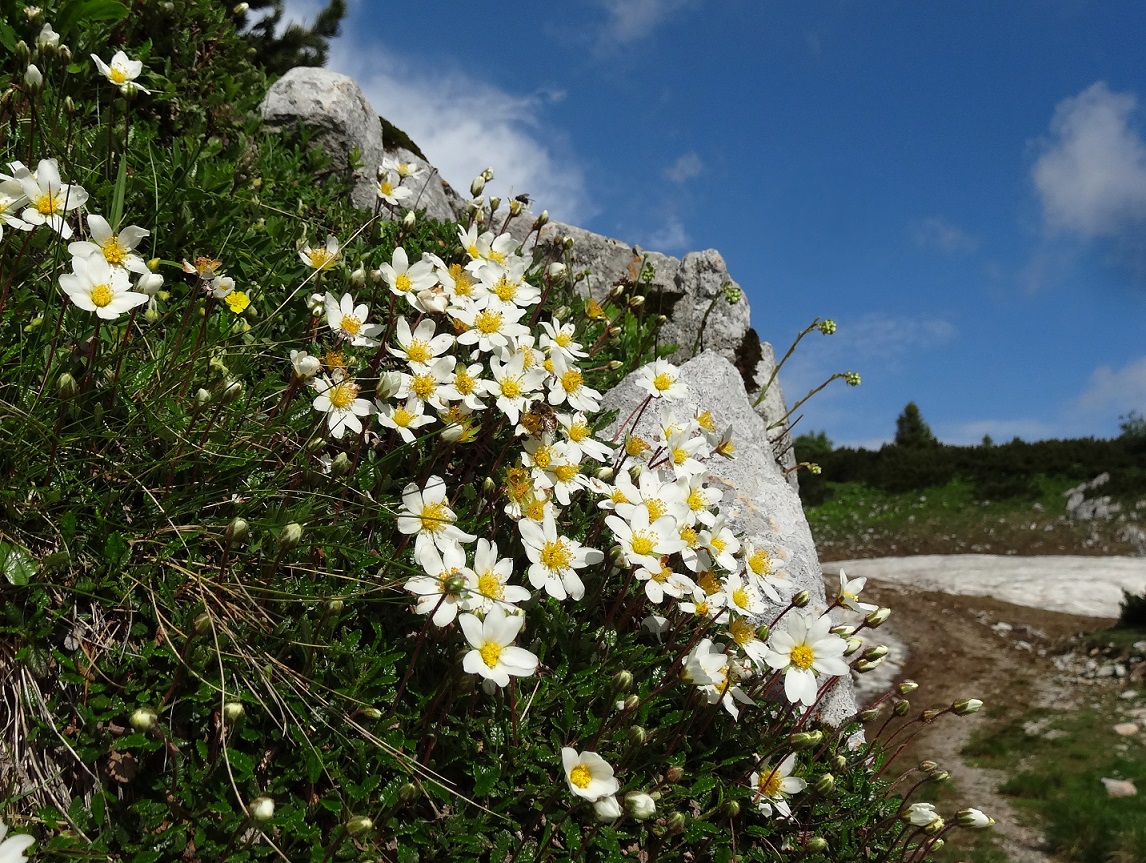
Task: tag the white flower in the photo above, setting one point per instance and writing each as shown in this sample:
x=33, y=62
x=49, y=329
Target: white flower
x=430, y=383
x=974, y=818
x=33, y=77
x=404, y=418
x=305, y=365
x=568, y=385
x=48, y=38
x=117, y=249
x=511, y=384
x=406, y=280
x=339, y=400
x=644, y=543
x=11, y=196
x=442, y=589
x=12, y=849
x=773, y=784
x=349, y=321
x=149, y=283
x=489, y=587
x=95, y=286
x=558, y=338
x=425, y=513
x=921, y=814
x=849, y=592
x=802, y=647
x=493, y=656
x=579, y=438
x=122, y=72
x=662, y=581
x=220, y=286
x=490, y=329
x=49, y=197
x=321, y=258
x=640, y=805
x=659, y=379
x=607, y=809
x=588, y=774
x=555, y=559
x=405, y=170
x=390, y=190
x=420, y=346
x=709, y=668
x=506, y=285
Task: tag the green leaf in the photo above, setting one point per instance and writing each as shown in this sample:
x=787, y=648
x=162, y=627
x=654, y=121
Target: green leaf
x=115, y=550
x=16, y=564
x=485, y=777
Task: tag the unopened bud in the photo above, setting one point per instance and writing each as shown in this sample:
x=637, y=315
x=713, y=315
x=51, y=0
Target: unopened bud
x=335, y=606
x=555, y=271
x=615, y=365
x=906, y=687
x=825, y=784
x=144, y=719
x=22, y=53
x=874, y=653
x=827, y=326
x=567, y=242
x=488, y=485
x=240, y=8
x=852, y=379
x=605, y=474
x=358, y=825
x=966, y=706
x=289, y=536
x=863, y=666
x=66, y=386
x=372, y=713
x=877, y=617
x=614, y=332
x=262, y=809
x=637, y=735
x=805, y=739
x=494, y=203
x=868, y=715
x=839, y=763
x=928, y=765
x=937, y=844
x=935, y=827
x=541, y=221
x=763, y=631
x=853, y=645
x=939, y=776
x=674, y=774
x=632, y=702
x=233, y=711
x=617, y=556
x=930, y=714
x=358, y=277
x=801, y=599
x=974, y=819
x=843, y=630
x=237, y=530
x=33, y=77
x=341, y=464
x=231, y=392
x=477, y=186
x=635, y=302
x=732, y=808
x=622, y=681
x=409, y=219
x=902, y=707
x=617, y=292
x=675, y=823
x=203, y=396
x=816, y=844
x=409, y=792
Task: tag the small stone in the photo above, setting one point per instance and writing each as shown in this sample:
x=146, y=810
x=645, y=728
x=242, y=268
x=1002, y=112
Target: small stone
x=1126, y=729
x=1128, y=694
x=1119, y=787
x=1002, y=628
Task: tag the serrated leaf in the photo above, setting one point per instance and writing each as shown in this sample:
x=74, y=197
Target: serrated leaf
x=16, y=564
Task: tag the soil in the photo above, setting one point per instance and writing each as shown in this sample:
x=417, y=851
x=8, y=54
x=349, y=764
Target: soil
x=958, y=650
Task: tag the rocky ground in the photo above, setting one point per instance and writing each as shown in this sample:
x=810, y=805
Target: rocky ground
x=1004, y=654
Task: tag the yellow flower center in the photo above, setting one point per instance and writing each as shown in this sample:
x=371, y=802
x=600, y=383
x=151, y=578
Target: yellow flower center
x=770, y=784
x=402, y=283
x=617, y=496
x=419, y=352
x=490, y=585
x=473, y=251
x=101, y=295
x=350, y=325
x=740, y=597
x=718, y=544
x=565, y=472
x=490, y=653
x=679, y=455
x=556, y=555
x=49, y=204
x=542, y=457
x=697, y=500
x=434, y=517
x=802, y=656
x=463, y=284
x=580, y=776
x=578, y=432
x=114, y=252
x=117, y=75
x=662, y=575
x=548, y=365
x=488, y=322
x=320, y=259
x=423, y=386
x=510, y=388
x=505, y=289
x=564, y=339
x=402, y=417
x=593, y=309
x=571, y=381
x=702, y=608
x=656, y=508
x=535, y=509
x=642, y=542
x=634, y=446
x=334, y=360
x=463, y=381
x=527, y=353
x=706, y=422
x=688, y=534
x=707, y=580
x=343, y=395
x=742, y=632
x=497, y=256
x=386, y=188
x=760, y=563
x=663, y=381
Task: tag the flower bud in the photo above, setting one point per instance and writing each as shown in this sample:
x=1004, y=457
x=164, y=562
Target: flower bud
x=974, y=819
x=202, y=624
x=335, y=606
x=144, y=719
x=839, y=763
x=409, y=219
x=372, y=713
x=231, y=392
x=937, y=844
x=674, y=774
x=240, y=8
x=622, y=681
x=854, y=644
x=541, y=221
x=826, y=784
x=938, y=776
x=515, y=207
x=868, y=715
x=261, y=809
x=816, y=844
x=927, y=766
x=358, y=276
x=763, y=631
x=34, y=14
x=640, y=805
x=289, y=536
x=635, y=302
x=607, y=808
x=637, y=735
x=906, y=687
x=66, y=387
x=632, y=702
x=805, y=739
x=852, y=379
x=409, y=792
x=801, y=599
x=615, y=365
x=843, y=630
x=237, y=530
x=477, y=185
x=22, y=53
x=605, y=474
x=613, y=332
x=233, y=711
x=388, y=384
x=33, y=77
x=731, y=808
x=966, y=706
x=358, y=825
x=149, y=283
x=874, y=653
x=675, y=822
x=935, y=827
x=494, y=203
x=928, y=715
x=827, y=326
x=902, y=707
x=341, y=465
x=555, y=271
x=877, y=617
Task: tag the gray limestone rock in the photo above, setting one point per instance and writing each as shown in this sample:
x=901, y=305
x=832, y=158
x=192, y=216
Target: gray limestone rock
x=431, y=192
x=709, y=310
x=759, y=502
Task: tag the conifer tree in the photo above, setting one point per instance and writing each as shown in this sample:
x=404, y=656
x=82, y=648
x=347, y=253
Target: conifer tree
x=298, y=45
x=911, y=430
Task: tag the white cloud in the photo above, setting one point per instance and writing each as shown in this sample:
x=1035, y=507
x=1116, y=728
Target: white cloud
x=935, y=232
x=685, y=168
x=1091, y=178
x=670, y=238
x=1123, y=389
x=887, y=337
x=631, y=20
x=464, y=125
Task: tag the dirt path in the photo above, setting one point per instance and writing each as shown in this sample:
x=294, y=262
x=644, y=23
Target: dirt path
x=970, y=646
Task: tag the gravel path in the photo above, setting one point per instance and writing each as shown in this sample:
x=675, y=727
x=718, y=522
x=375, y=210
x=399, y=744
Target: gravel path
x=1089, y=586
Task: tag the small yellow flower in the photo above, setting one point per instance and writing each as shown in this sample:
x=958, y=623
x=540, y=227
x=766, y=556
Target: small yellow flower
x=237, y=301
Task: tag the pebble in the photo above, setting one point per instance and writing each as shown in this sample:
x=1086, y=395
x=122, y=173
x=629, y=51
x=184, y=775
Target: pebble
x=1119, y=787
x=1126, y=729
x=1128, y=694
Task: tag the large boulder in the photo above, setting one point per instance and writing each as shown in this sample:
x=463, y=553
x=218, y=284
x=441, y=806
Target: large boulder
x=341, y=120
x=759, y=502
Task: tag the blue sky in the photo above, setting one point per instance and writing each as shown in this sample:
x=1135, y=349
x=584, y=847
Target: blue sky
x=962, y=187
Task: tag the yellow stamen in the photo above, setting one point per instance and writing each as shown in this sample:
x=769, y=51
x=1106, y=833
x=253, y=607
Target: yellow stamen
x=802, y=656
x=556, y=555
x=101, y=295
